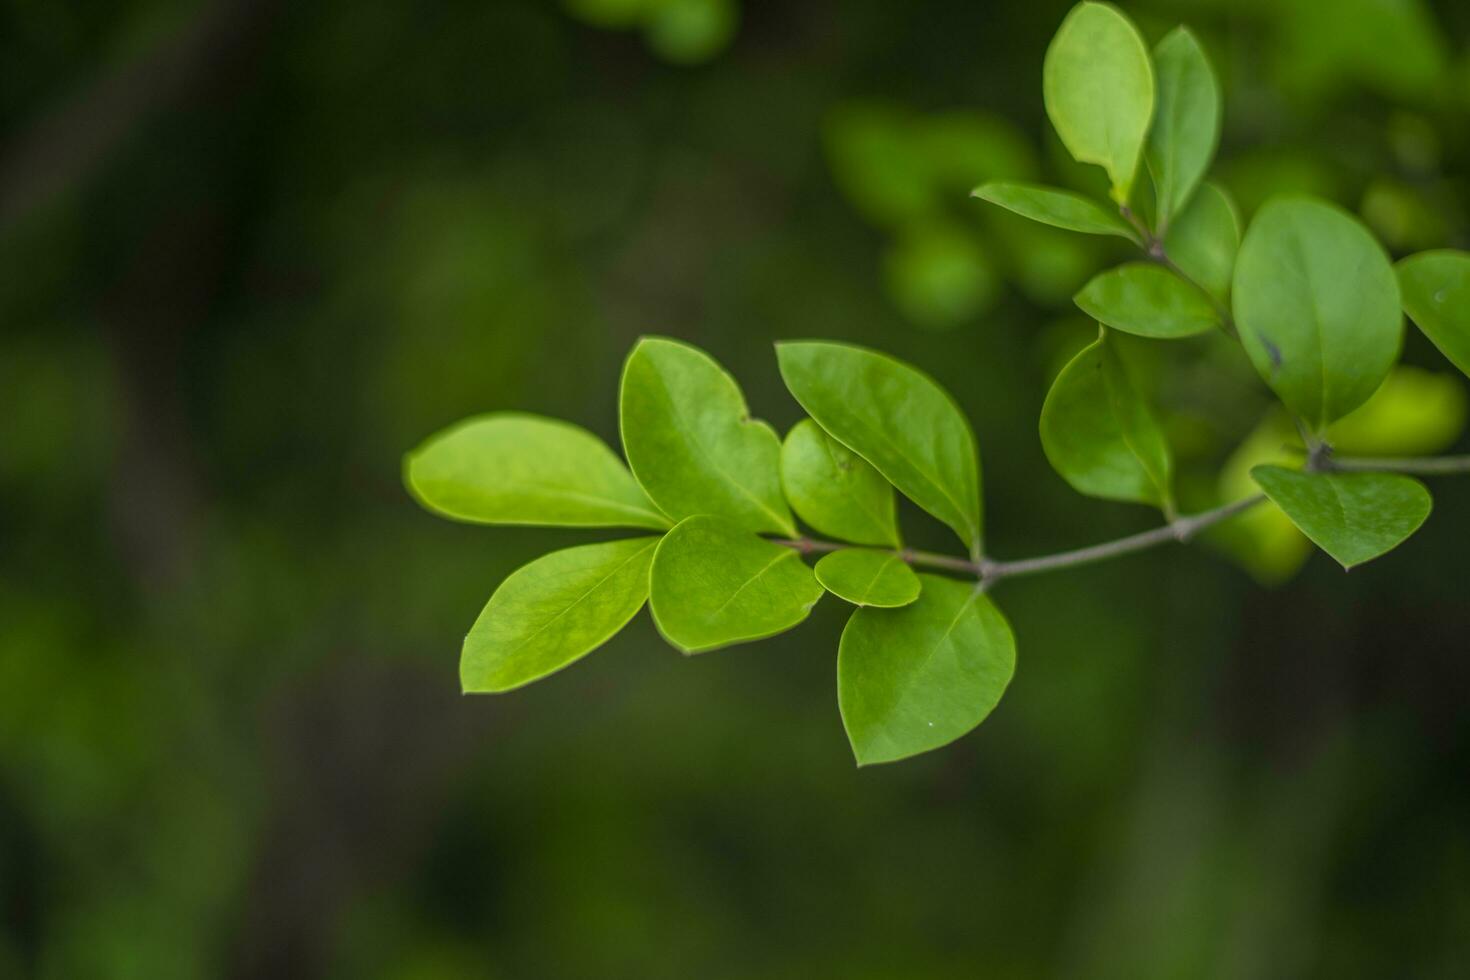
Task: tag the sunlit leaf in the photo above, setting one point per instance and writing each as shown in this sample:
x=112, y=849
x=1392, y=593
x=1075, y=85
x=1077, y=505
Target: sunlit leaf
x=554, y=611
x=1186, y=126
x=897, y=418
x=1204, y=239
x=1262, y=540
x=1098, y=84
x=688, y=32
x=511, y=468
x=1436, y=293
x=1099, y=434
x=1317, y=306
x=835, y=490
x=1414, y=412
x=1354, y=517
x=868, y=578
x=913, y=679
x=1148, y=300
x=1058, y=208
x=715, y=583
x=692, y=443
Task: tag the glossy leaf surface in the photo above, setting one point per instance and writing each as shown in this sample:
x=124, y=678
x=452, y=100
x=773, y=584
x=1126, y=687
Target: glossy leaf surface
x=897, y=418
x=554, y=611
x=1147, y=300
x=835, y=490
x=913, y=679
x=715, y=583
x=1186, y=127
x=1436, y=294
x=692, y=443
x=1354, y=517
x=1098, y=85
x=1317, y=307
x=1099, y=434
x=512, y=468
x=865, y=577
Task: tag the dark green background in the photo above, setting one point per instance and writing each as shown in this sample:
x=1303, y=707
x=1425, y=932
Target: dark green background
x=252, y=251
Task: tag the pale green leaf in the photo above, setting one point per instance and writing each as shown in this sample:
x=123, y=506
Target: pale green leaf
x=1058, y=208
x=1204, y=239
x=715, y=583
x=1354, y=517
x=554, y=611
x=511, y=468
x=1098, y=84
x=1263, y=539
x=1413, y=413
x=1186, y=127
x=1317, y=307
x=913, y=679
x=1099, y=434
x=868, y=578
x=692, y=443
x=1436, y=289
x=1147, y=300
x=835, y=490
x=897, y=418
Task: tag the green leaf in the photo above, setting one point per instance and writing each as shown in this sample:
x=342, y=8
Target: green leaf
x=554, y=611
x=1204, y=239
x=1436, y=289
x=1413, y=413
x=1098, y=84
x=913, y=679
x=510, y=468
x=1148, y=300
x=1098, y=433
x=1186, y=127
x=1317, y=307
x=835, y=490
x=715, y=583
x=939, y=276
x=1058, y=208
x=692, y=443
x=868, y=578
x=1354, y=517
x=897, y=418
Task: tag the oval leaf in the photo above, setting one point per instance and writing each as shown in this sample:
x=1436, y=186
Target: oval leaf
x=1099, y=435
x=1098, y=84
x=715, y=583
x=554, y=611
x=913, y=679
x=897, y=418
x=868, y=578
x=834, y=489
x=1058, y=208
x=1204, y=239
x=1147, y=300
x=1354, y=517
x=1186, y=127
x=511, y=468
x=1436, y=288
x=1317, y=307
x=691, y=441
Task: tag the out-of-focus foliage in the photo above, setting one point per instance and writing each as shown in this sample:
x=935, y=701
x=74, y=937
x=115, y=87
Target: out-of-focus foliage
x=258, y=268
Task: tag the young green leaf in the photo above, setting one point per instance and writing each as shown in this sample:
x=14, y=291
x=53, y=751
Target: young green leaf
x=1098, y=433
x=897, y=418
x=1148, y=300
x=868, y=578
x=1413, y=413
x=554, y=611
x=1186, y=127
x=1436, y=289
x=511, y=468
x=1317, y=307
x=1354, y=517
x=692, y=443
x=715, y=583
x=913, y=679
x=1058, y=208
x=1204, y=239
x=835, y=490
x=1098, y=85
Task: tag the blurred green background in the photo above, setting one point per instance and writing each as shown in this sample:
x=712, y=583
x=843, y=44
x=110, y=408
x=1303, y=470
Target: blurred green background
x=252, y=251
